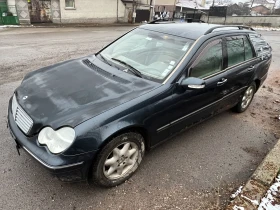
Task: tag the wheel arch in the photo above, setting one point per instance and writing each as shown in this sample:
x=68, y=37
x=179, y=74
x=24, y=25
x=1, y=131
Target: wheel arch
x=131, y=128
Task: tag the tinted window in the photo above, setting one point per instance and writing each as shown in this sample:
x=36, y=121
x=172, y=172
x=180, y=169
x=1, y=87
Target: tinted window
x=262, y=48
x=248, y=49
x=235, y=49
x=209, y=62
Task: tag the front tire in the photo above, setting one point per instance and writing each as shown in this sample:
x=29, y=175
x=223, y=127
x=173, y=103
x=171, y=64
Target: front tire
x=118, y=160
x=246, y=98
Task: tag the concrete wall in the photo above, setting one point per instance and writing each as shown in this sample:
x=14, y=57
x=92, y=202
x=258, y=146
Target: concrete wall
x=273, y=21
x=22, y=10
x=11, y=2
x=165, y=2
x=55, y=10
x=92, y=11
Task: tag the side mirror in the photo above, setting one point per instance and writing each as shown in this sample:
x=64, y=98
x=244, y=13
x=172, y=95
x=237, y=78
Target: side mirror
x=192, y=83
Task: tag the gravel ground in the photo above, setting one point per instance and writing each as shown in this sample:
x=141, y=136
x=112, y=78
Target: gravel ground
x=198, y=169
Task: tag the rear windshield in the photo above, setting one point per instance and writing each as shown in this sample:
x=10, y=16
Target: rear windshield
x=262, y=48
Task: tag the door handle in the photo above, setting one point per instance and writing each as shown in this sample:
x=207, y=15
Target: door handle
x=223, y=81
x=251, y=68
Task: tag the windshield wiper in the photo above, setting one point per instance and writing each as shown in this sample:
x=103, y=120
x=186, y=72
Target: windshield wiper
x=104, y=59
x=131, y=68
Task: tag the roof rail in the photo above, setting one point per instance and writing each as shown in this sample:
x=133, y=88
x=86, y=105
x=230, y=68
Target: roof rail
x=228, y=26
x=160, y=20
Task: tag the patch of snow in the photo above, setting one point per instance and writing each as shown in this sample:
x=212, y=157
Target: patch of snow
x=236, y=193
x=266, y=29
x=9, y=26
x=238, y=208
x=268, y=202
x=255, y=5
x=196, y=4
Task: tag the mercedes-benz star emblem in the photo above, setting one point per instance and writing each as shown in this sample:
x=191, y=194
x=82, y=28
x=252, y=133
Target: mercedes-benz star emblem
x=25, y=97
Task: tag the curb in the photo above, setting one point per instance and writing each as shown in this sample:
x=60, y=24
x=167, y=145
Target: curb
x=258, y=184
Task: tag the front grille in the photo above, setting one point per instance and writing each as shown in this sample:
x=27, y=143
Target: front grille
x=21, y=118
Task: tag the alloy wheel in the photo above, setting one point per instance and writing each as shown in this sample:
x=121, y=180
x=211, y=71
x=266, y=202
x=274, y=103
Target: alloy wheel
x=247, y=97
x=121, y=160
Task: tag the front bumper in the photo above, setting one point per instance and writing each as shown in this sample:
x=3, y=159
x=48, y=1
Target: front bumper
x=66, y=168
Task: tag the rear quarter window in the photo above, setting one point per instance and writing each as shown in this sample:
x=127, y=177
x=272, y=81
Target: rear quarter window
x=262, y=48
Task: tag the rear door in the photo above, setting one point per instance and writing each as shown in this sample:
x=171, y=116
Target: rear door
x=240, y=65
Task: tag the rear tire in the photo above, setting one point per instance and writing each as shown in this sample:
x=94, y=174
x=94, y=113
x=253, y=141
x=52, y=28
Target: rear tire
x=118, y=160
x=246, y=98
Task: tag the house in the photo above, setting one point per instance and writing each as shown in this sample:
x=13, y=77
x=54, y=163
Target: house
x=141, y=9
x=260, y=10
x=191, y=9
x=71, y=11
x=163, y=8
x=90, y=11
x=277, y=11
x=234, y=9
x=266, y=3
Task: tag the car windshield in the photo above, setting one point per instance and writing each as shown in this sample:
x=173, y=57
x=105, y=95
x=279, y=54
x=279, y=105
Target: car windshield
x=149, y=54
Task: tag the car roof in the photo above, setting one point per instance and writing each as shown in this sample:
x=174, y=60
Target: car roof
x=186, y=30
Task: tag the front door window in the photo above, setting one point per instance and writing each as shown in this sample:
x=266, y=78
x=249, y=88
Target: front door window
x=210, y=61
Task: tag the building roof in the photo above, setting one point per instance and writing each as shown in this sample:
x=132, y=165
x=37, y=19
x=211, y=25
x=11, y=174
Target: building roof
x=264, y=2
x=259, y=5
x=270, y=1
x=186, y=30
x=191, y=4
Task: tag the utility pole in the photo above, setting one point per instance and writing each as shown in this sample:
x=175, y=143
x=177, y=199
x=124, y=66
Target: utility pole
x=252, y=4
x=151, y=10
x=117, y=11
x=273, y=6
x=133, y=11
x=209, y=11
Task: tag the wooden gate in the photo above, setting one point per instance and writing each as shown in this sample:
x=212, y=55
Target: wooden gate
x=40, y=11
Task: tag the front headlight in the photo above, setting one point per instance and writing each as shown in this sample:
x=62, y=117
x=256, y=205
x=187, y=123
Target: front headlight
x=57, y=141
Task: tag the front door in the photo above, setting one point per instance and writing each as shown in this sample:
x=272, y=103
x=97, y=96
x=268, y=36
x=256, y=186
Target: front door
x=40, y=11
x=187, y=107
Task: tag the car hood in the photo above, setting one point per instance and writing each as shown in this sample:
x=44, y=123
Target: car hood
x=72, y=92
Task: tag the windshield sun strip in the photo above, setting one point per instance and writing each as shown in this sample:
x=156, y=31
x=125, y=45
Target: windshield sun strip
x=167, y=34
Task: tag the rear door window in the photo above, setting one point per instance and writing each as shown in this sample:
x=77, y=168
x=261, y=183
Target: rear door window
x=239, y=50
x=235, y=49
